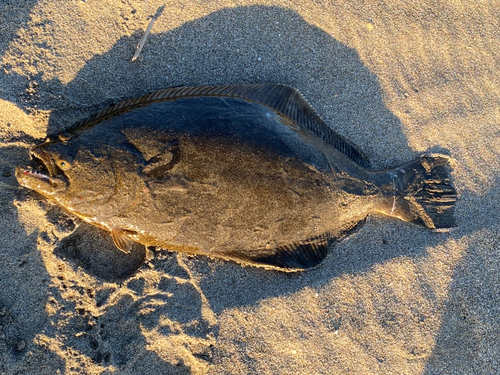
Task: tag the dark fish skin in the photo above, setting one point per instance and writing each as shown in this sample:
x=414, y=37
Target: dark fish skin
x=252, y=178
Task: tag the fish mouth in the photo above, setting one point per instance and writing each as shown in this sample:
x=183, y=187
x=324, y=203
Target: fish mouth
x=46, y=166
x=42, y=174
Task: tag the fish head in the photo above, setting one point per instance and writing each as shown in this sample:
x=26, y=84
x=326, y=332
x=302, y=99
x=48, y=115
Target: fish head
x=81, y=177
x=46, y=174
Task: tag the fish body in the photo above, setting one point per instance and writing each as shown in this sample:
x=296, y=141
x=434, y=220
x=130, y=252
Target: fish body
x=248, y=173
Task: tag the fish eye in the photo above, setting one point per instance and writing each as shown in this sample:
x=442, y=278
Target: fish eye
x=64, y=164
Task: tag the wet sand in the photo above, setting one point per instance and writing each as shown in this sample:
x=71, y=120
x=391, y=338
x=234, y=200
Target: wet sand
x=397, y=79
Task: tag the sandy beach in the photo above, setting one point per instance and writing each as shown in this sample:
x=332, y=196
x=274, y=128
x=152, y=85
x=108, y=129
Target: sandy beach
x=396, y=78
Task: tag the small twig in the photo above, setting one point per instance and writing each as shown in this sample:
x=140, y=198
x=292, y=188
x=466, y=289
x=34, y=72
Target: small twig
x=144, y=37
x=148, y=30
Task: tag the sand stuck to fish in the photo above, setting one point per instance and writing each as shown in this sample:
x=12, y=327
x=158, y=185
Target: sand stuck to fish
x=396, y=79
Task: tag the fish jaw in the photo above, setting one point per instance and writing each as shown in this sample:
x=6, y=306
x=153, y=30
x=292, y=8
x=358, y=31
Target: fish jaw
x=40, y=182
x=47, y=182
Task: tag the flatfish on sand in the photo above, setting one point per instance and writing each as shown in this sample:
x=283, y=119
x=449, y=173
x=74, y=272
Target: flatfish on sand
x=248, y=173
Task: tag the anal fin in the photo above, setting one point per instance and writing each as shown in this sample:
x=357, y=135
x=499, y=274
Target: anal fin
x=298, y=256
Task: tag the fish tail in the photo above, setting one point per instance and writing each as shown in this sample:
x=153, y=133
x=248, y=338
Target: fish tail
x=423, y=192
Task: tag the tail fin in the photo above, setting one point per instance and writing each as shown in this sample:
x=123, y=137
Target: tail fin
x=427, y=191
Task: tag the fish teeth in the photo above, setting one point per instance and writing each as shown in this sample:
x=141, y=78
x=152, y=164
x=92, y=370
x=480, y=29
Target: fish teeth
x=37, y=174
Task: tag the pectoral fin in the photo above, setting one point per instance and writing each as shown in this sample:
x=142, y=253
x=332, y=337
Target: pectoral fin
x=121, y=240
x=160, y=152
x=159, y=165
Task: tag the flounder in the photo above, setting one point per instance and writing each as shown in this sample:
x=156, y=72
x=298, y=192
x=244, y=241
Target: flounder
x=247, y=173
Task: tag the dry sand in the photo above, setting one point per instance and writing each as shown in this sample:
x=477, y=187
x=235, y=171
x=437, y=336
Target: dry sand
x=398, y=78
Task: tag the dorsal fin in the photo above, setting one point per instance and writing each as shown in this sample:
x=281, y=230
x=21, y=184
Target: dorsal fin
x=283, y=99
